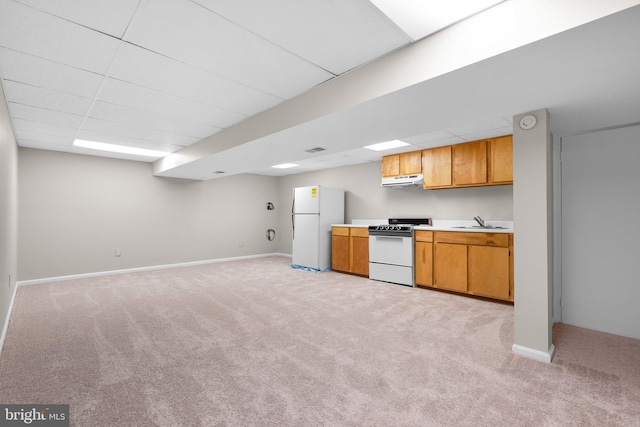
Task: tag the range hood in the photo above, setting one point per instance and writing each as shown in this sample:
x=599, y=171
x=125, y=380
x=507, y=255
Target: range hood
x=414, y=180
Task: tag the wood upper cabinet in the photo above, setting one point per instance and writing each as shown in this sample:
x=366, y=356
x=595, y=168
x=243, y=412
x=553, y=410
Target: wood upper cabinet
x=424, y=258
x=411, y=163
x=402, y=164
x=350, y=250
x=469, y=164
x=474, y=263
x=391, y=165
x=501, y=160
x=436, y=167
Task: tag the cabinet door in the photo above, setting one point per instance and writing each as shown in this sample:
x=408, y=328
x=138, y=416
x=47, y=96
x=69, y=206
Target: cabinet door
x=450, y=267
x=501, y=160
x=470, y=163
x=360, y=255
x=340, y=252
x=424, y=263
x=391, y=165
x=411, y=163
x=489, y=272
x=436, y=167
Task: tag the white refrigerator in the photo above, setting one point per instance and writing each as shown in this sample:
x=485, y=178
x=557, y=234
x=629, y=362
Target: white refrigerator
x=313, y=211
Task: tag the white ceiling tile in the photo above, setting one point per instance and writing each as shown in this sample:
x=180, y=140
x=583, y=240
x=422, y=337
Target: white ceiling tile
x=44, y=128
x=231, y=51
x=44, y=98
x=144, y=68
x=337, y=35
x=490, y=133
x=130, y=95
x=37, y=33
x=131, y=116
x=119, y=129
x=27, y=112
x=43, y=145
x=27, y=69
x=110, y=17
x=43, y=138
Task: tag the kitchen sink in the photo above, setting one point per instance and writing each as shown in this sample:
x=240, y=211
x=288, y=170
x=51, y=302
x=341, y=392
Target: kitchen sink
x=482, y=227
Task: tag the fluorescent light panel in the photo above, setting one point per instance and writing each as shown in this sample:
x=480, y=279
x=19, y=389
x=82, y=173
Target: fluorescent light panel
x=285, y=166
x=93, y=145
x=381, y=146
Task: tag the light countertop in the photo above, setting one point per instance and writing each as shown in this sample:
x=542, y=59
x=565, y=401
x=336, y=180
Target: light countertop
x=443, y=225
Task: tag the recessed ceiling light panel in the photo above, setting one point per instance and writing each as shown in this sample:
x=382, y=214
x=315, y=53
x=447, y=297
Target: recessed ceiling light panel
x=113, y=148
x=387, y=145
x=285, y=166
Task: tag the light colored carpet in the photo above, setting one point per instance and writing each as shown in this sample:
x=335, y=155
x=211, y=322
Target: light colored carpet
x=257, y=343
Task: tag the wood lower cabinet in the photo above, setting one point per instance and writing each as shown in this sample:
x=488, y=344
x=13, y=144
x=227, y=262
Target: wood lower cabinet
x=424, y=258
x=359, y=251
x=350, y=250
x=450, y=265
x=489, y=272
x=474, y=263
x=340, y=248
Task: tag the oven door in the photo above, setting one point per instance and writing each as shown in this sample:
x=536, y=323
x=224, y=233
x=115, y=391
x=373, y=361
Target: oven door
x=394, y=250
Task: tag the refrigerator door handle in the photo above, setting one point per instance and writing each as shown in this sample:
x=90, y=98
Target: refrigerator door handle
x=293, y=226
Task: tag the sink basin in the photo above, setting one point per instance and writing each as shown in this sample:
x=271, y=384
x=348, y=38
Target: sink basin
x=483, y=227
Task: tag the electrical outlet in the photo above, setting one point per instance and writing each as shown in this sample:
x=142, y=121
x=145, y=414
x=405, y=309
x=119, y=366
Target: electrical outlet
x=118, y=252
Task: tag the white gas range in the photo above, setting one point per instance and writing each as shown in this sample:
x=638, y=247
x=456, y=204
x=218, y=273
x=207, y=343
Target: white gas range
x=391, y=250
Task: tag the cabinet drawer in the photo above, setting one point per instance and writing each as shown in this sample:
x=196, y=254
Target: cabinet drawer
x=359, y=232
x=340, y=231
x=424, y=236
x=482, y=239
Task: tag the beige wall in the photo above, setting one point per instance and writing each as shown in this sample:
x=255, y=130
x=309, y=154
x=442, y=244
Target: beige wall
x=366, y=199
x=8, y=211
x=76, y=210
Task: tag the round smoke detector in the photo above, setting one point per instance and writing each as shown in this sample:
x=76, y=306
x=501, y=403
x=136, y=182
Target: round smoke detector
x=528, y=122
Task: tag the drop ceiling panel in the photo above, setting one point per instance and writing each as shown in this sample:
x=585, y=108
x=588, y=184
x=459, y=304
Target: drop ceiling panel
x=43, y=128
x=133, y=117
x=44, y=145
x=37, y=33
x=27, y=69
x=27, y=112
x=212, y=43
x=44, y=98
x=126, y=94
x=336, y=35
x=111, y=17
x=24, y=136
x=120, y=129
x=144, y=68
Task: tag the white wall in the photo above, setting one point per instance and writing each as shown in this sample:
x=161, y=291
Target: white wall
x=366, y=199
x=601, y=231
x=76, y=210
x=8, y=212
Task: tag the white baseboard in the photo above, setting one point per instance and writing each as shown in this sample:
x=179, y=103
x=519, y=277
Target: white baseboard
x=538, y=355
x=6, y=321
x=138, y=269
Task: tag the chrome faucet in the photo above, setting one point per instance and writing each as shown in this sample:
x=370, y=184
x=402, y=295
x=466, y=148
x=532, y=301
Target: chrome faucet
x=479, y=221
